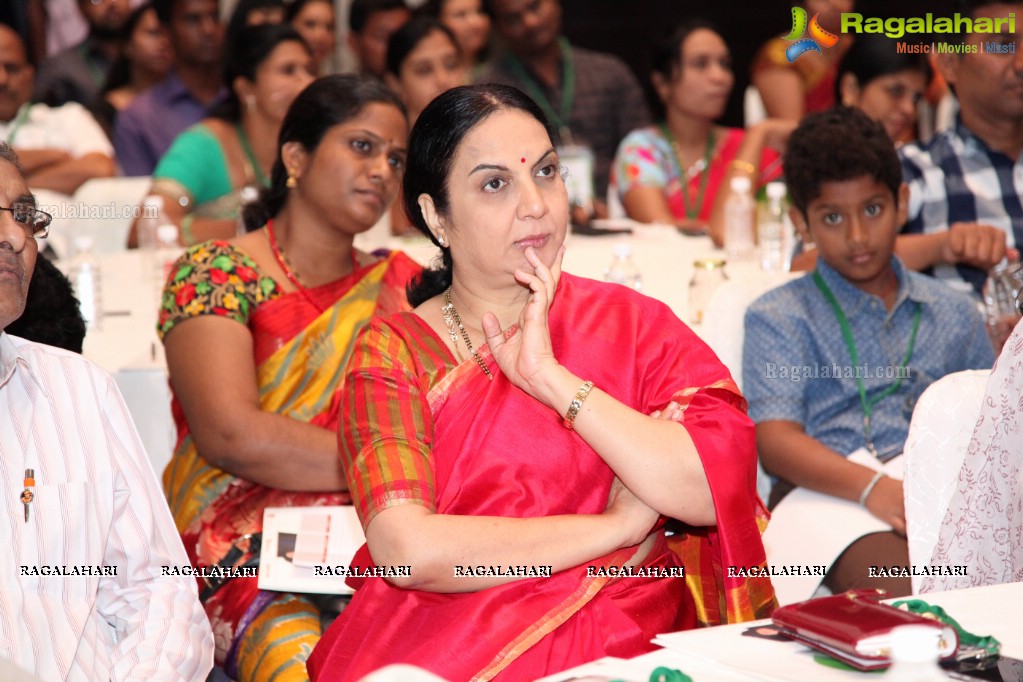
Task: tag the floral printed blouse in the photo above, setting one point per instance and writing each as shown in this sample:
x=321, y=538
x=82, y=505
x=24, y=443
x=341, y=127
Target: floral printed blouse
x=213, y=278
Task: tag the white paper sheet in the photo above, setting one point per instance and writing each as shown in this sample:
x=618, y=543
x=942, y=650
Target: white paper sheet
x=300, y=542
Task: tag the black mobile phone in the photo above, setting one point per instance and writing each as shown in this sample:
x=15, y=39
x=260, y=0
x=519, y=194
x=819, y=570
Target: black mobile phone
x=992, y=669
x=590, y=230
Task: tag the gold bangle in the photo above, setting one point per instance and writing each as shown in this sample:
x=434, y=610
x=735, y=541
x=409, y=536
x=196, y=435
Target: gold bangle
x=744, y=166
x=577, y=403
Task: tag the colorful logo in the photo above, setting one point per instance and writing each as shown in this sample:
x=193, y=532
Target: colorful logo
x=818, y=36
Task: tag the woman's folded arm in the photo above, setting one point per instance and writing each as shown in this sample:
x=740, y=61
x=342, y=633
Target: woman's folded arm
x=214, y=375
x=443, y=551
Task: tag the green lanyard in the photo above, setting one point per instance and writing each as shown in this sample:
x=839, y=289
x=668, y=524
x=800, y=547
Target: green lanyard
x=243, y=139
x=692, y=212
x=850, y=344
x=533, y=89
x=18, y=122
x=664, y=674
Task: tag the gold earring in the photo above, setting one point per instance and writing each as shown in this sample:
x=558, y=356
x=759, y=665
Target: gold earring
x=291, y=182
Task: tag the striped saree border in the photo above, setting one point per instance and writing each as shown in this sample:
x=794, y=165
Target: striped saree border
x=554, y=618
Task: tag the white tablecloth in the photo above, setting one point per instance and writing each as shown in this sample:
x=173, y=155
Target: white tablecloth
x=724, y=653
x=126, y=345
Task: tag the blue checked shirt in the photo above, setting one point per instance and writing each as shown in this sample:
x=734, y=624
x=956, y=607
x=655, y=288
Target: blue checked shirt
x=794, y=349
x=958, y=178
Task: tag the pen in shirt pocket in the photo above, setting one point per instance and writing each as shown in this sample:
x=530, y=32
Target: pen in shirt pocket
x=27, y=495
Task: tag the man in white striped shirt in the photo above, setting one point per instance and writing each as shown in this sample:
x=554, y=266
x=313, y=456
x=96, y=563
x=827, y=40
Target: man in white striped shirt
x=84, y=594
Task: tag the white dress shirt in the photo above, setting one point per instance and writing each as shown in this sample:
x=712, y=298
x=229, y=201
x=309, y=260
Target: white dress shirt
x=97, y=504
x=69, y=127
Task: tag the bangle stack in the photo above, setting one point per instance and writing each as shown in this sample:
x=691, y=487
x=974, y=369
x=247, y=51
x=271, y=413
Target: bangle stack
x=870, y=487
x=576, y=404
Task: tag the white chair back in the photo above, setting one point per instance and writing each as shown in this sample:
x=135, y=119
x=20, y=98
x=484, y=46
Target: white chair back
x=105, y=208
x=615, y=208
x=148, y=397
x=723, y=317
x=752, y=106
x=945, y=113
x=939, y=433
x=723, y=328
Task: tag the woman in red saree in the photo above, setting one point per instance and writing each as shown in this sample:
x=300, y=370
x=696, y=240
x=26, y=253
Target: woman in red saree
x=515, y=493
x=258, y=331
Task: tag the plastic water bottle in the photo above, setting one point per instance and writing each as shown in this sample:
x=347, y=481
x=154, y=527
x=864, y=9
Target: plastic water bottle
x=708, y=275
x=915, y=651
x=149, y=221
x=85, y=278
x=771, y=229
x=622, y=269
x=163, y=257
x=1000, y=292
x=739, y=219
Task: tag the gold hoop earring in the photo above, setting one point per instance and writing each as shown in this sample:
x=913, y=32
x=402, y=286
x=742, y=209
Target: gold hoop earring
x=291, y=182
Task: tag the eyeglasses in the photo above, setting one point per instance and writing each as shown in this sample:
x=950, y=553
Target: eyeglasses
x=35, y=222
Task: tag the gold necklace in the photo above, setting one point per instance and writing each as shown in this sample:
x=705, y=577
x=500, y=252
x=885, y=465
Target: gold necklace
x=452, y=318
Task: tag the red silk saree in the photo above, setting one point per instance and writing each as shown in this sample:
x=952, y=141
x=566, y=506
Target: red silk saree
x=417, y=428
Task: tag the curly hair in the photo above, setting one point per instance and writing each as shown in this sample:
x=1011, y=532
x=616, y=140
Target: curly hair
x=8, y=154
x=52, y=314
x=838, y=145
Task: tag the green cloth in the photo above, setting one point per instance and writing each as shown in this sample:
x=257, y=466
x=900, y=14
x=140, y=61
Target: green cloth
x=196, y=161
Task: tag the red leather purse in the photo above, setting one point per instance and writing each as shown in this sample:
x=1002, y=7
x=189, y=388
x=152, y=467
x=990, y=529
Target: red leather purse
x=855, y=627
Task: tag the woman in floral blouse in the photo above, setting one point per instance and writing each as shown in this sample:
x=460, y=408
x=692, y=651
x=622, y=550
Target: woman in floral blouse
x=677, y=171
x=258, y=331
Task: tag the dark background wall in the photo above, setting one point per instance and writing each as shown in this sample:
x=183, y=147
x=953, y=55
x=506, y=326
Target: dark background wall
x=629, y=27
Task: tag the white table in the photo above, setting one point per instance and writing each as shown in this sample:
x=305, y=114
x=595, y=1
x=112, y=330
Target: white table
x=723, y=653
x=126, y=345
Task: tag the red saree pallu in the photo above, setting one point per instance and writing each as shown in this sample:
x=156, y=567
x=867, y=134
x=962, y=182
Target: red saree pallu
x=301, y=346
x=717, y=171
x=420, y=428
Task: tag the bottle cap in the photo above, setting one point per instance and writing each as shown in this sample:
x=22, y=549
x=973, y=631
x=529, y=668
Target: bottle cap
x=776, y=190
x=915, y=643
x=622, y=250
x=740, y=183
x=167, y=235
x=248, y=194
x=154, y=200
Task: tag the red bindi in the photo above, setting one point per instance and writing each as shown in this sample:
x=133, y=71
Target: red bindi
x=522, y=160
